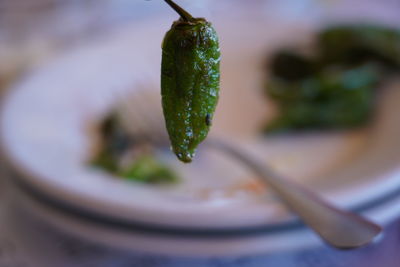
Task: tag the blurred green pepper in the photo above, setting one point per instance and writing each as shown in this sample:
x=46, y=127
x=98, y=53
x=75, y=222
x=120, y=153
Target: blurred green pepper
x=357, y=44
x=291, y=66
x=333, y=98
x=335, y=87
x=142, y=166
x=147, y=169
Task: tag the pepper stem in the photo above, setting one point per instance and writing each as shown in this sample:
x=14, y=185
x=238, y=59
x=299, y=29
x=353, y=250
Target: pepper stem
x=183, y=13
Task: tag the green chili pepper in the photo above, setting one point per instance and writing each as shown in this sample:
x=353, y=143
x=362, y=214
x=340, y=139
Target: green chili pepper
x=360, y=43
x=333, y=98
x=189, y=81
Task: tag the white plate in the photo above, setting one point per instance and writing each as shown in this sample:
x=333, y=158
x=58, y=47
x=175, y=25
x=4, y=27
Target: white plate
x=47, y=119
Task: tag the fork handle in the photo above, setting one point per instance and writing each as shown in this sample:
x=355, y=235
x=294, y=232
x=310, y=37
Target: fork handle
x=339, y=228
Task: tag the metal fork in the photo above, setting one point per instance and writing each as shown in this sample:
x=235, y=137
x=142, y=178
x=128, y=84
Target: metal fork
x=141, y=116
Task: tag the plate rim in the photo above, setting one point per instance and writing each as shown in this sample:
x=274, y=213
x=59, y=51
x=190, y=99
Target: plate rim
x=49, y=186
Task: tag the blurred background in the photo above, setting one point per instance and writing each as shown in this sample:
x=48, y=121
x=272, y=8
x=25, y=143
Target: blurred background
x=34, y=32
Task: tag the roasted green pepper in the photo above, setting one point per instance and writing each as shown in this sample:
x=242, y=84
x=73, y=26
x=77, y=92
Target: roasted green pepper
x=334, y=98
x=335, y=87
x=122, y=156
x=357, y=44
x=189, y=81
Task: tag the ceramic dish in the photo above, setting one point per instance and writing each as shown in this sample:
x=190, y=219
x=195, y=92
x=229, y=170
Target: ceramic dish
x=46, y=127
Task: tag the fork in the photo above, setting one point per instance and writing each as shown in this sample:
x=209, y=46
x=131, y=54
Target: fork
x=141, y=116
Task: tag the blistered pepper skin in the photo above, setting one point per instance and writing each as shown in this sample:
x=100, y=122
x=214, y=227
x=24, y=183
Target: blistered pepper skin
x=190, y=76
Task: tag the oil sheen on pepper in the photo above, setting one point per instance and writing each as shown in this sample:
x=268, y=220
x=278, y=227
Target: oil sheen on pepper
x=190, y=78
